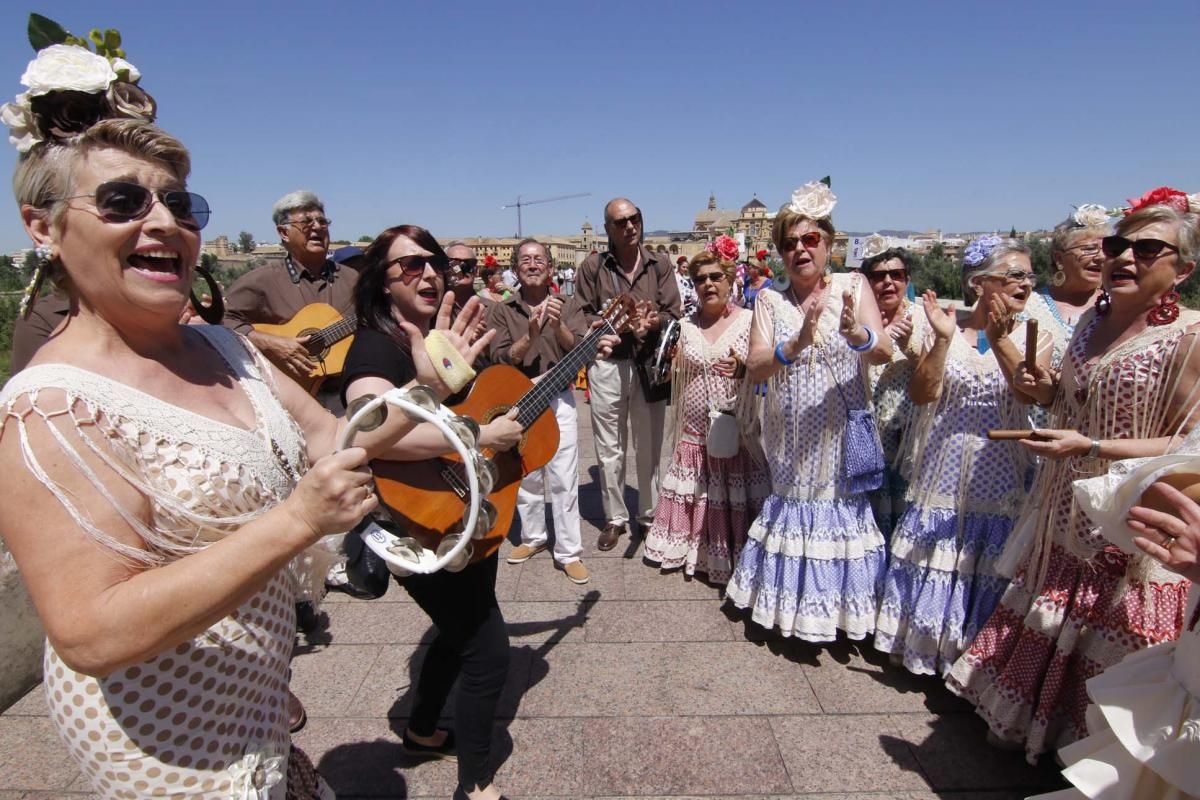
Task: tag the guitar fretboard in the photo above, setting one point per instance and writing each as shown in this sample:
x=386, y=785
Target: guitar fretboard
x=339, y=330
x=537, y=399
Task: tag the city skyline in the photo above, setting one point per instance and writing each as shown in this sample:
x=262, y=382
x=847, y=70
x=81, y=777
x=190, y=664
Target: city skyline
x=960, y=118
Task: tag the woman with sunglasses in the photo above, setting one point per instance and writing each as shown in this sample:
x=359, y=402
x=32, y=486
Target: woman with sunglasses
x=401, y=290
x=1130, y=381
x=707, y=501
x=887, y=272
x=1075, y=251
x=166, y=487
x=814, y=557
x=941, y=583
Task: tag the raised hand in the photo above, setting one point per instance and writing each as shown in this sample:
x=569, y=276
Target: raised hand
x=552, y=312
x=942, y=320
x=463, y=333
x=808, y=329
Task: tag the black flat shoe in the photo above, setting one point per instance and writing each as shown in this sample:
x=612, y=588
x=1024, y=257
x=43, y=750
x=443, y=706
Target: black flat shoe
x=446, y=751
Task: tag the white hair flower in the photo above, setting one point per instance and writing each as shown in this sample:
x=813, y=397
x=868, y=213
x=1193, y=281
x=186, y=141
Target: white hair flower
x=1194, y=203
x=814, y=200
x=22, y=128
x=65, y=67
x=1090, y=215
x=873, y=245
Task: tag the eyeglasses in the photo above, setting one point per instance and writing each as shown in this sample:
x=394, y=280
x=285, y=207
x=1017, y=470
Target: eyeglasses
x=414, y=266
x=1143, y=249
x=809, y=240
x=710, y=277
x=526, y=260
x=465, y=265
x=633, y=219
x=310, y=222
x=897, y=275
x=1014, y=276
x=1085, y=250
x=125, y=201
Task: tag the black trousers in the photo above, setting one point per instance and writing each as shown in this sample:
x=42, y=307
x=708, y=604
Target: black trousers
x=471, y=646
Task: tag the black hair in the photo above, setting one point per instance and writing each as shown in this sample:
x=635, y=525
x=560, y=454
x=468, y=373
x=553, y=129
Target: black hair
x=906, y=258
x=372, y=302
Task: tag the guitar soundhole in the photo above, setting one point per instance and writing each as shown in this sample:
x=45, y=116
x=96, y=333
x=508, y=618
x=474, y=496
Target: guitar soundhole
x=316, y=345
x=492, y=413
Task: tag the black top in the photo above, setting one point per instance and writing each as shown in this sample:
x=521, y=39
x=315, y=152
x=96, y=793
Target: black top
x=376, y=354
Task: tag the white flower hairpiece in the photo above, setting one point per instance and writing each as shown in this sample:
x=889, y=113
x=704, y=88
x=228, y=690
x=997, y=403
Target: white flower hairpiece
x=65, y=63
x=1194, y=203
x=873, y=245
x=814, y=200
x=1090, y=215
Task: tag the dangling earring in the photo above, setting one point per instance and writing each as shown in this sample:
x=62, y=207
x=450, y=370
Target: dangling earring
x=1059, y=277
x=43, y=255
x=1103, y=303
x=782, y=282
x=214, y=312
x=1167, y=310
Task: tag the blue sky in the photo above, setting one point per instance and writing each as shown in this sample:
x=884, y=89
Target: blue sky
x=963, y=115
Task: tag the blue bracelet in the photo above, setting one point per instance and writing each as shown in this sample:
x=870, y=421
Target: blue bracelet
x=781, y=358
x=866, y=346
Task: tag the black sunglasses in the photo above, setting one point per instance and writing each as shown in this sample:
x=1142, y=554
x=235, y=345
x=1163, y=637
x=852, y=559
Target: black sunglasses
x=897, y=275
x=1143, y=249
x=636, y=219
x=466, y=265
x=125, y=201
x=715, y=277
x=414, y=266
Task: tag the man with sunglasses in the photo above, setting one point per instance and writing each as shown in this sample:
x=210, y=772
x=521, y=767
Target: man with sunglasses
x=620, y=389
x=463, y=265
x=274, y=293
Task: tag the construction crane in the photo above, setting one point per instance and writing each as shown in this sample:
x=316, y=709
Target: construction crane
x=521, y=203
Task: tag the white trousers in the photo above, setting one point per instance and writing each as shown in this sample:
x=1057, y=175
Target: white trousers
x=618, y=401
x=562, y=473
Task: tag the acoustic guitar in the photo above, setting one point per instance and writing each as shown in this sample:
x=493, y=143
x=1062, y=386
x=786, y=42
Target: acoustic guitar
x=427, y=498
x=330, y=335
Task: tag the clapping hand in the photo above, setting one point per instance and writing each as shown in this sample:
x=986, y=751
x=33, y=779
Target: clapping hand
x=727, y=367
x=900, y=329
x=462, y=332
x=942, y=320
x=848, y=325
x=1000, y=317
x=807, y=334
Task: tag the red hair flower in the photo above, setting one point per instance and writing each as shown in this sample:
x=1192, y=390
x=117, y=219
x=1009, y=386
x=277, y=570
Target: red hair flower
x=761, y=255
x=1162, y=196
x=725, y=247
x=489, y=260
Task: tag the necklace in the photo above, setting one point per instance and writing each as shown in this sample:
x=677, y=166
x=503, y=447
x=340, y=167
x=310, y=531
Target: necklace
x=1053, y=304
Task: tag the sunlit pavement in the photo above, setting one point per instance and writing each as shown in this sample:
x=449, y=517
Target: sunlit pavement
x=638, y=684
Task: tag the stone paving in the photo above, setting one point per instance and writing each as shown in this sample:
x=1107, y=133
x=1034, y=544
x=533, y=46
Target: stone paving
x=638, y=684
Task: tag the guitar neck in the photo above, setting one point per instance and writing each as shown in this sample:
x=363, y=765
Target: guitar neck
x=339, y=330
x=560, y=376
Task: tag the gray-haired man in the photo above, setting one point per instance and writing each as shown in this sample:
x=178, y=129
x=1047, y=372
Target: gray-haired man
x=273, y=293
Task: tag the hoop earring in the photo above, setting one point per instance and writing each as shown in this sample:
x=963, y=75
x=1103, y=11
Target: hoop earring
x=1167, y=310
x=43, y=256
x=1059, y=277
x=1103, y=304
x=214, y=312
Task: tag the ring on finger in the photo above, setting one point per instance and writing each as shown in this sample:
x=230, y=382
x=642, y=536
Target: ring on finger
x=1166, y=545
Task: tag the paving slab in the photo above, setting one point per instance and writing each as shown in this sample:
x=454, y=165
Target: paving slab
x=656, y=621
x=847, y=753
x=32, y=757
x=673, y=755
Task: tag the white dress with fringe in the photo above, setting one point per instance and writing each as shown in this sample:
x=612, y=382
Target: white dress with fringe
x=208, y=718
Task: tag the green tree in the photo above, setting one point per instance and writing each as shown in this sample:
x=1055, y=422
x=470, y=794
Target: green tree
x=937, y=271
x=1040, y=258
x=11, y=278
x=366, y=238
x=245, y=242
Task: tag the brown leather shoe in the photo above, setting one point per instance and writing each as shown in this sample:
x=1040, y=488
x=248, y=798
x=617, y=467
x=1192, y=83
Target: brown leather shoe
x=608, y=537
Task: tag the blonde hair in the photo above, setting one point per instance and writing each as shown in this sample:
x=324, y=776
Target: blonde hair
x=786, y=219
x=45, y=175
x=704, y=258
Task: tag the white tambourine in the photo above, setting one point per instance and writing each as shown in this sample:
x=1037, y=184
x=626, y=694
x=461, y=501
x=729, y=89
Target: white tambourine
x=404, y=555
x=660, y=367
